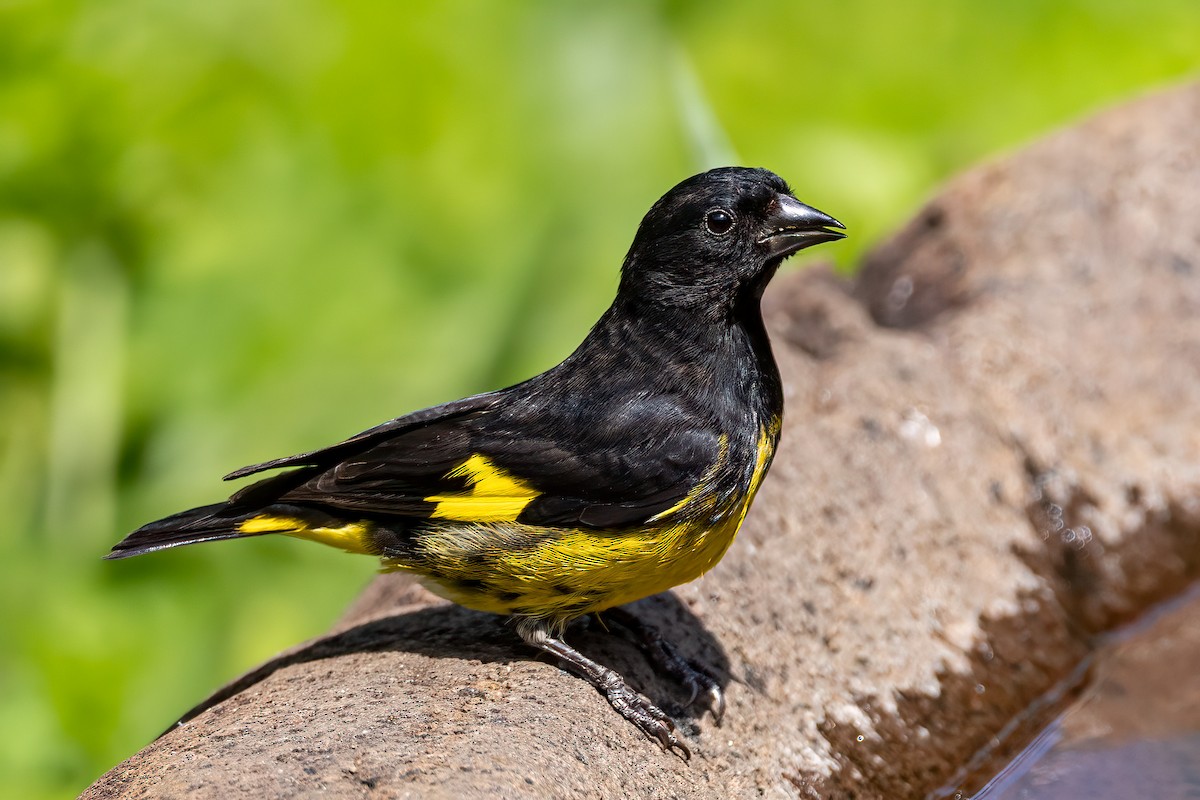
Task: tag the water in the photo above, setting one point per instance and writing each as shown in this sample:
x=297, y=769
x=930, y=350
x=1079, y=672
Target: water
x=1134, y=729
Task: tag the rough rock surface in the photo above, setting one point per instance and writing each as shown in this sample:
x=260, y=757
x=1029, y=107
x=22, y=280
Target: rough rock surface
x=991, y=453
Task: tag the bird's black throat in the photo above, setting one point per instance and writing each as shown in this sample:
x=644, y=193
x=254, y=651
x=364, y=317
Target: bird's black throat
x=722, y=359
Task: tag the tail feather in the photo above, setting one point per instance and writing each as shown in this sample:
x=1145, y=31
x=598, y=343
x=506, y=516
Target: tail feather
x=203, y=524
x=233, y=520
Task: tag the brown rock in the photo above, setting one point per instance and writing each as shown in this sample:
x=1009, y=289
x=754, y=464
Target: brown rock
x=991, y=451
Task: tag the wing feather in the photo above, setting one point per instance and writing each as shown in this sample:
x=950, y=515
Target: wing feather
x=474, y=463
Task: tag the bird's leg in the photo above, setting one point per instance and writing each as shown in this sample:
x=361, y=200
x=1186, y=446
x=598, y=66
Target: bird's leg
x=667, y=660
x=648, y=718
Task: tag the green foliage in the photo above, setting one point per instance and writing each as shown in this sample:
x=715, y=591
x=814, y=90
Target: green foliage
x=235, y=230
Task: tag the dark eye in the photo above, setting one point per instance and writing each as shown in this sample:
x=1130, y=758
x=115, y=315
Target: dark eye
x=718, y=221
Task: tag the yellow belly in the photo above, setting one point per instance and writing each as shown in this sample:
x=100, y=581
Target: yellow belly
x=559, y=574
x=571, y=572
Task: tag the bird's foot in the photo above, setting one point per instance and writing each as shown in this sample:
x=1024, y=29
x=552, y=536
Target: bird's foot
x=667, y=661
x=649, y=718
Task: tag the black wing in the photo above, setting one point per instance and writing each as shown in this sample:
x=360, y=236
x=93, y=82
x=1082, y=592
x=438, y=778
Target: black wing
x=504, y=456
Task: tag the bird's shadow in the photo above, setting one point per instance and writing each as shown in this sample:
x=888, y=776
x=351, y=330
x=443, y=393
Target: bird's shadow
x=449, y=630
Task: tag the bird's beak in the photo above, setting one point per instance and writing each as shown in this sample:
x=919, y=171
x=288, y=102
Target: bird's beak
x=792, y=226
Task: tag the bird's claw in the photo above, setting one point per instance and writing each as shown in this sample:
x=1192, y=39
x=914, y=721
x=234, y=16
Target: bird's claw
x=667, y=661
x=649, y=719
x=711, y=690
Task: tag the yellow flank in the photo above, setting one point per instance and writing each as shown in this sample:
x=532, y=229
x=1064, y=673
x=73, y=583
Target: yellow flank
x=765, y=450
x=352, y=537
x=493, y=496
x=559, y=574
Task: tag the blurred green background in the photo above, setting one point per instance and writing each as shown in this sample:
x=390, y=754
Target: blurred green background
x=239, y=229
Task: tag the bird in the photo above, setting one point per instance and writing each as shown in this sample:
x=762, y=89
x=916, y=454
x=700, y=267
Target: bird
x=625, y=470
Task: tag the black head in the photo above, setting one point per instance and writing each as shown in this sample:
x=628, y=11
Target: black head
x=719, y=236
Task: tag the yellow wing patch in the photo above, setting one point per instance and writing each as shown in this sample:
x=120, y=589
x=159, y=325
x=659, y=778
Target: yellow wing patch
x=493, y=496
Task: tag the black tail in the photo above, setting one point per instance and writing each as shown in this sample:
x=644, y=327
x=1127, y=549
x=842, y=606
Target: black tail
x=204, y=524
